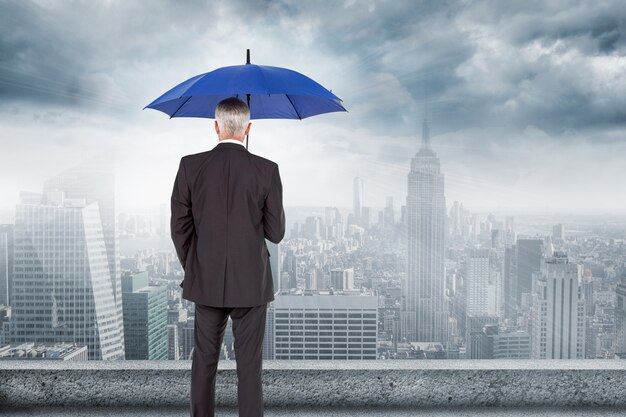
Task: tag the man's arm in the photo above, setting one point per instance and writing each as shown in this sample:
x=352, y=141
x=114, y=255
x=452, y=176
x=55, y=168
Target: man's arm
x=181, y=224
x=273, y=212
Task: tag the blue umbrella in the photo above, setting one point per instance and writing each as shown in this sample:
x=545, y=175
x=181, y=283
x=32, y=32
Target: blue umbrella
x=271, y=93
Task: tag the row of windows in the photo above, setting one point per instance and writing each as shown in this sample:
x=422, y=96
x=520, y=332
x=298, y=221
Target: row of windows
x=286, y=333
x=322, y=333
x=336, y=352
x=326, y=339
x=343, y=343
x=326, y=321
x=311, y=314
x=314, y=328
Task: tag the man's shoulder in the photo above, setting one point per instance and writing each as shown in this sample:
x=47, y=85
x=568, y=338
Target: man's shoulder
x=194, y=157
x=268, y=162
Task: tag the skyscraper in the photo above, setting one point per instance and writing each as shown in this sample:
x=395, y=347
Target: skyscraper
x=425, y=315
x=6, y=263
x=529, y=254
x=94, y=180
x=357, y=199
x=480, y=295
x=559, y=310
x=145, y=318
x=61, y=287
x=620, y=315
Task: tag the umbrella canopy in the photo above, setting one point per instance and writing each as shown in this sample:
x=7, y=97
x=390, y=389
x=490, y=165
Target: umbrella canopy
x=271, y=93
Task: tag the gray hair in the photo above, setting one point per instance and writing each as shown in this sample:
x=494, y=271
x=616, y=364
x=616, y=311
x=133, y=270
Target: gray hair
x=232, y=116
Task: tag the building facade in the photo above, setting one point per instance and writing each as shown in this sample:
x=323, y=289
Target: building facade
x=425, y=313
x=558, y=331
x=62, y=288
x=325, y=325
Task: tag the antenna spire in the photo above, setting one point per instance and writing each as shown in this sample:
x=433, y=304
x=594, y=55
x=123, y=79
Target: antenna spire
x=425, y=128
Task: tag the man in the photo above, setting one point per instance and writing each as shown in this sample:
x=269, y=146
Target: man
x=225, y=203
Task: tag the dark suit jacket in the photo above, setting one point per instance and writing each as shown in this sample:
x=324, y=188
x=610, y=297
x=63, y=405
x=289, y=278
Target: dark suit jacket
x=225, y=202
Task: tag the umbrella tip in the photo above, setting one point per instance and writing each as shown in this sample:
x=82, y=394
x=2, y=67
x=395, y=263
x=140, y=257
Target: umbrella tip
x=247, y=56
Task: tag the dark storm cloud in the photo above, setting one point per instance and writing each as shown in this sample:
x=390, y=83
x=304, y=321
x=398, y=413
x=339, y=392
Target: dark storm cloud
x=476, y=62
x=555, y=65
x=601, y=23
x=551, y=64
x=403, y=51
x=66, y=53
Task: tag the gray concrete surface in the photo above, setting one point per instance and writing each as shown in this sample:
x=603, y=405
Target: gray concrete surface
x=324, y=412
x=410, y=384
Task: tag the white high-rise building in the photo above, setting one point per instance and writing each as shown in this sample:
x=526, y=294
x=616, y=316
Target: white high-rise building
x=425, y=313
x=558, y=331
x=62, y=284
x=477, y=279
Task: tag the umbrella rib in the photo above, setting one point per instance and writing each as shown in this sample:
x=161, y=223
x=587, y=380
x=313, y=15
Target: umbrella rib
x=180, y=107
x=294, y=106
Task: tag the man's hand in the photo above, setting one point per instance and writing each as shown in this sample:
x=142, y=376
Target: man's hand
x=181, y=225
x=273, y=212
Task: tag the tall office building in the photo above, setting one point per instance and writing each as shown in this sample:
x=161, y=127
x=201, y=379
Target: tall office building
x=521, y=261
x=425, y=314
x=620, y=316
x=94, y=180
x=509, y=282
x=145, y=318
x=319, y=325
x=6, y=263
x=62, y=285
x=188, y=338
x=357, y=199
x=173, y=347
x=269, y=350
x=480, y=295
x=558, y=331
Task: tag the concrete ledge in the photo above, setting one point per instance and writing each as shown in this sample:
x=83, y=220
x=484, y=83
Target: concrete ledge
x=397, y=383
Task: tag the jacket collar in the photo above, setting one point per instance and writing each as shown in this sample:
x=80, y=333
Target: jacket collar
x=222, y=145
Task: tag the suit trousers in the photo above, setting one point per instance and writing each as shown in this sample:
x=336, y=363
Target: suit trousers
x=248, y=331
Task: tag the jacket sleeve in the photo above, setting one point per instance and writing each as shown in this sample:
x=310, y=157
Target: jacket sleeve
x=182, y=225
x=273, y=212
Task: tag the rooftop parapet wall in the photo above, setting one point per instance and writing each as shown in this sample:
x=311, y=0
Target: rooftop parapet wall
x=397, y=383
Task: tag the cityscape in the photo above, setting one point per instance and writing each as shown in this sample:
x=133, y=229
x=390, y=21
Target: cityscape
x=421, y=279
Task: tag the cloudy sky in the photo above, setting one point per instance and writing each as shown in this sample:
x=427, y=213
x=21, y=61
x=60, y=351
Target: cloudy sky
x=527, y=100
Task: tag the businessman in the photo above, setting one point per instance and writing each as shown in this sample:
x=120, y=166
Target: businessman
x=225, y=203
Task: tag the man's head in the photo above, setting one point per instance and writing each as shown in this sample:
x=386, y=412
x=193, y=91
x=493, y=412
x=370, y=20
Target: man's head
x=232, y=119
